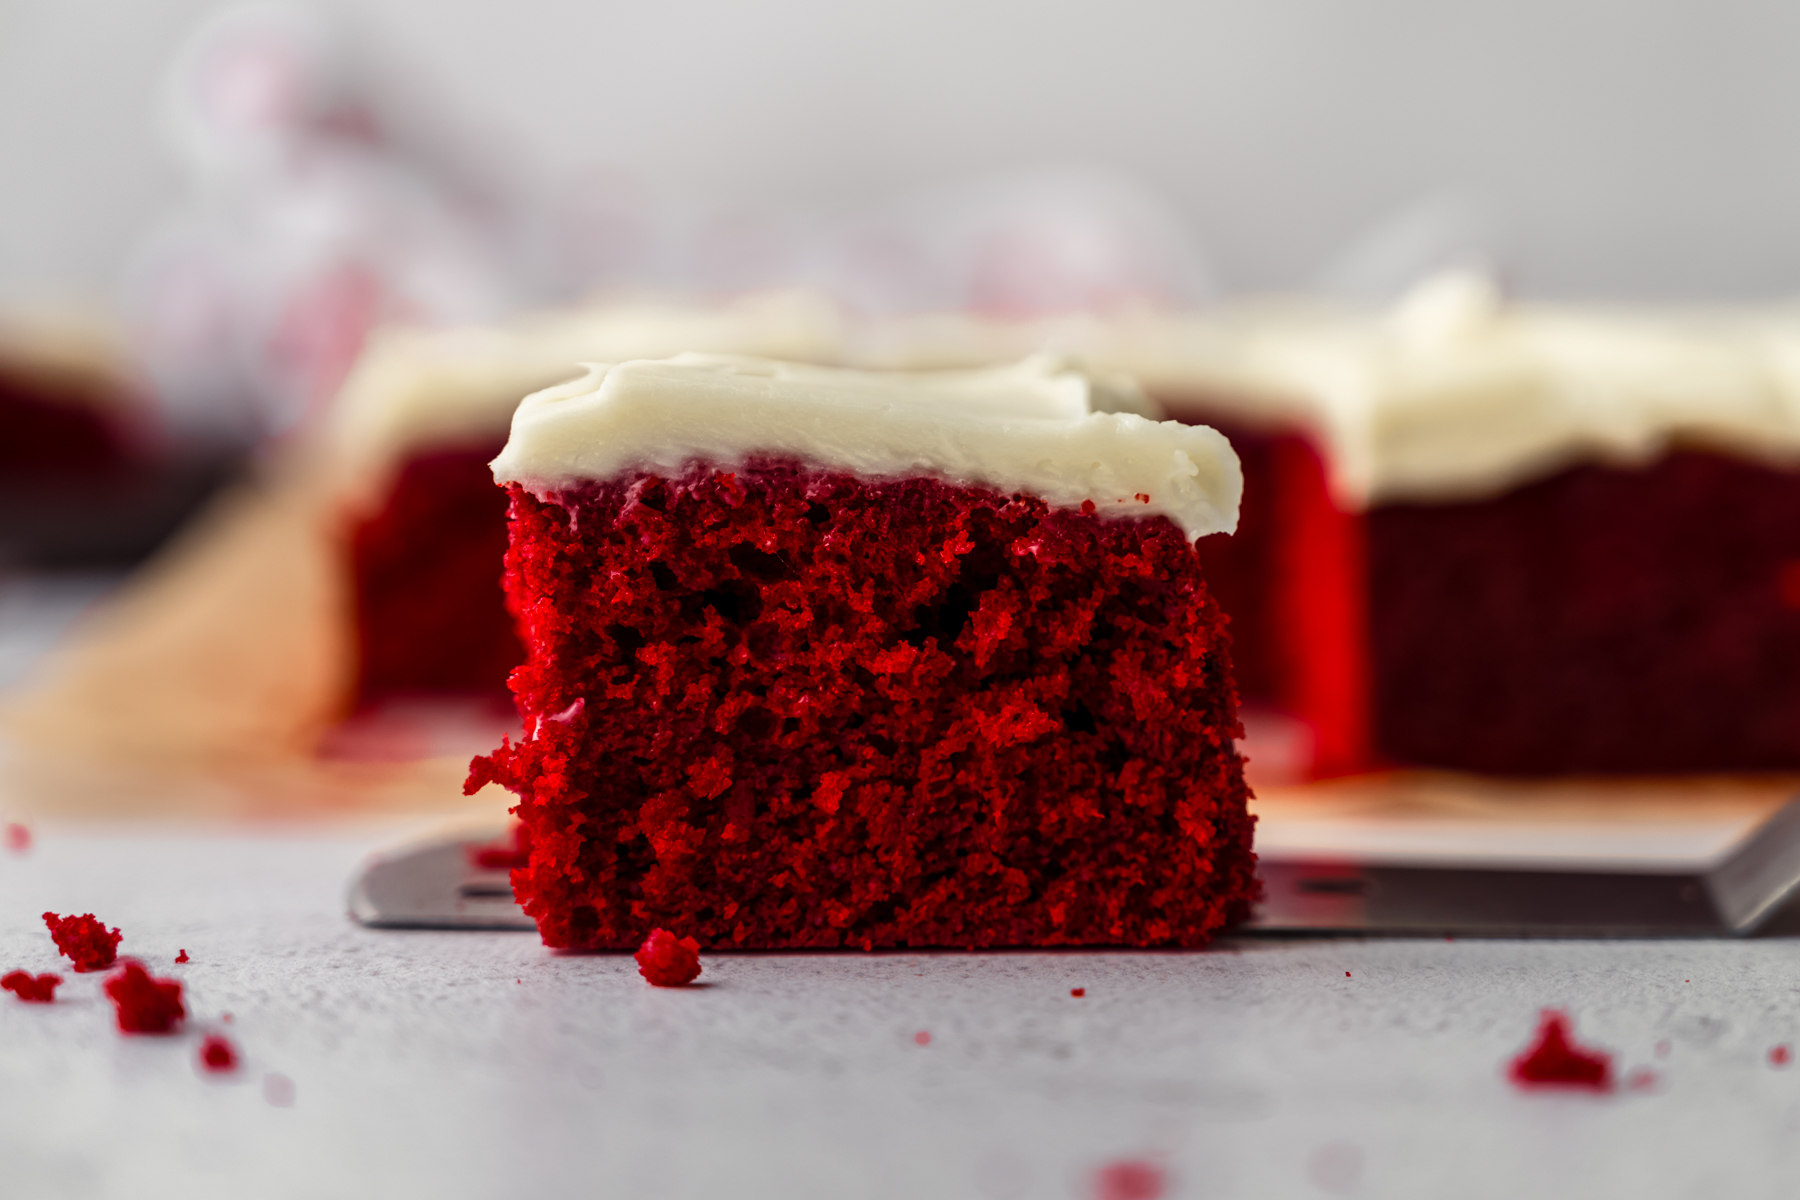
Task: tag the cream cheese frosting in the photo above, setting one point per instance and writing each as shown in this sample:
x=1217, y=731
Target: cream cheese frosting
x=1034, y=427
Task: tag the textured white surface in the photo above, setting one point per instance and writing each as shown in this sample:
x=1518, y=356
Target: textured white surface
x=421, y=1068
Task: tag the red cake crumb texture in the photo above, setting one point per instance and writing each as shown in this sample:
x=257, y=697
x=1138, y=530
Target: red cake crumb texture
x=145, y=1004
x=18, y=837
x=86, y=942
x=667, y=961
x=1781, y=1055
x=38, y=989
x=1130, y=1179
x=218, y=1054
x=1555, y=1061
x=922, y=1038
x=793, y=708
x=1078, y=993
x=182, y=957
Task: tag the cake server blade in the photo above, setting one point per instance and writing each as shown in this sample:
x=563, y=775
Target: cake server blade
x=437, y=882
x=1569, y=859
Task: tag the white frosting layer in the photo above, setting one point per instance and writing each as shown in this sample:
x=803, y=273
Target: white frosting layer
x=1033, y=428
x=1452, y=394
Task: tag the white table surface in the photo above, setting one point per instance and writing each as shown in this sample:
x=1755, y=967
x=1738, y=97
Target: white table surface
x=482, y=1065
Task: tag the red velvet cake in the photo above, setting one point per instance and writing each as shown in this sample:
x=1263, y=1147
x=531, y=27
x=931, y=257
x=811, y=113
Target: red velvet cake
x=825, y=659
x=1515, y=539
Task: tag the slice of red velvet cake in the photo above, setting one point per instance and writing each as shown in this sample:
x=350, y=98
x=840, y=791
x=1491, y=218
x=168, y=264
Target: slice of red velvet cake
x=826, y=658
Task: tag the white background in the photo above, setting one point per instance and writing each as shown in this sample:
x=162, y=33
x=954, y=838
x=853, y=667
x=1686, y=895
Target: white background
x=1643, y=149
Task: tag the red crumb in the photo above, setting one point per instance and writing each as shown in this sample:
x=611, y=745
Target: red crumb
x=278, y=1090
x=145, y=1004
x=1555, y=1061
x=18, y=838
x=218, y=1054
x=182, y=957
x=86, y=942
x=1662, y=1048
x=1781, y=1055
x=503, y=856
x=225, y=1017
x=1130, y=1179
x=38, y=989
x=667, y=961
x=922, y=1038
x=1078, y=992
x=1346, y=974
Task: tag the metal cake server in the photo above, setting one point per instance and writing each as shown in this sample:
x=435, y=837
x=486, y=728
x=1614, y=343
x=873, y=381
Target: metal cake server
x=438, y=882
x=1489, y=873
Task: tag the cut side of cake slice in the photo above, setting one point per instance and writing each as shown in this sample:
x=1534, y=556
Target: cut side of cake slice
x=838, y=659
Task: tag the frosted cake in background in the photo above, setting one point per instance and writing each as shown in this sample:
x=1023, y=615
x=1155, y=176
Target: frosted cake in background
x=1488, y=536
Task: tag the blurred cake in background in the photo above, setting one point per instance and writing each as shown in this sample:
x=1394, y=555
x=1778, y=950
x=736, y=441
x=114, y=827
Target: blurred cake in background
x=356, y=572
x=86, y=477
x=1518, y=539
x=414, y=430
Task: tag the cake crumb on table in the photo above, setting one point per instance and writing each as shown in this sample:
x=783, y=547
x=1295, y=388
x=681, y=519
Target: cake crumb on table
x=922, y=1038
x=145, y=1004
x=1554, y=1060
x=181, y=957
x=217, y=1054
x=668, y=961
x=18, y=837
x=1078, y=993
x=36, y=989
x=1781, y=1055
x=85, y=941
x=1130, y=1179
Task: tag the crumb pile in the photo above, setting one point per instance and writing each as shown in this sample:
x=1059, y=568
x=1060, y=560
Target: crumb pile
x=791, y=707
x=37, y=989
x=668, y=961
x=84, y=941
x=217, y=1054
x=144, y=1003
x=1554, y=1060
